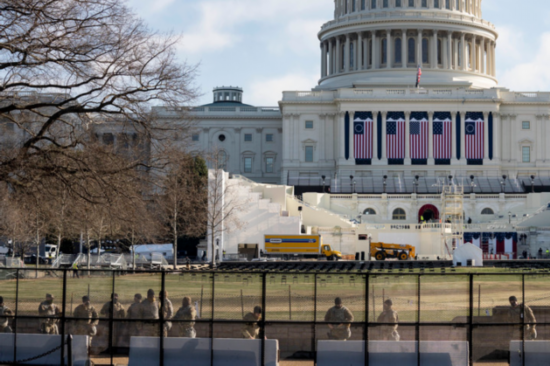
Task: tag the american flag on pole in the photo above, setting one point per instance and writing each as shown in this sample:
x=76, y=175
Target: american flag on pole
x=443, y=134
x=475, y=139
x=419, y=135
x=418, y=75
x=395, y=135
x=363, y=130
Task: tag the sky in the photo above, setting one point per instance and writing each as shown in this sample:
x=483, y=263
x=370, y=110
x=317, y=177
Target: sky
x=267, y=46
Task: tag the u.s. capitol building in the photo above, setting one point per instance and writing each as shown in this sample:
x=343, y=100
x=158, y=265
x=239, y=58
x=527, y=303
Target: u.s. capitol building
x=367, y=128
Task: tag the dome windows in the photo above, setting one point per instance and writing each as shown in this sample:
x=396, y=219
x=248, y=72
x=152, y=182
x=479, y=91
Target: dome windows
x=436, y=4
x=425, y=51
x=411, y=3
x=411, y=49
x=385, y=4
x=399, y=215
x=373, y=4
x=424, y=3
x=398, y=56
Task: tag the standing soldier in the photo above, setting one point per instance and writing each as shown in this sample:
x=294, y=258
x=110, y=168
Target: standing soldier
x=251, y=329
x=389, y=316
x=515, y=314
x=4, y=322
x=88, y=319
x=340, y=318
x=48, y=309
x=186, y=312
x=167, y=312
x=134, y=327
x=118, y=313
x=149, y=310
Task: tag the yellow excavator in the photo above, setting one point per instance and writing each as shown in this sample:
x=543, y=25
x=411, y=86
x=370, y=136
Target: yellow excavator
x=381, y=251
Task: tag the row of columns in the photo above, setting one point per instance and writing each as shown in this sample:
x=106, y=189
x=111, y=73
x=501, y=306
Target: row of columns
x=454, y=157
x=469, y=6
x=367, y=52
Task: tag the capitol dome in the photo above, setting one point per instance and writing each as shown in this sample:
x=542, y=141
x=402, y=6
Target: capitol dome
x=381, y=43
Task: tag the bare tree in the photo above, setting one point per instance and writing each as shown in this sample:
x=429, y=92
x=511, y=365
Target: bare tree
x=181, y=202
x=70, y=65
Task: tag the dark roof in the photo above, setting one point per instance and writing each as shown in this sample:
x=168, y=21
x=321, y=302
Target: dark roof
x=227, y=103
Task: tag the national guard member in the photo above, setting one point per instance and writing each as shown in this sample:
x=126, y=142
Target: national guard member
x=134, y=328
x=389, y=332
x=4, y=321
x=48, y=309
x=167, y=312
x=149, y=310
x=515, y=314
x=251, y=329
x=186, y=312
x=118, y=313
x=88, y=321
x=340, y=318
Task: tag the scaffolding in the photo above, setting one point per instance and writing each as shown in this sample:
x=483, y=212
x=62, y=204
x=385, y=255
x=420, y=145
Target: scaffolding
x=452, y=228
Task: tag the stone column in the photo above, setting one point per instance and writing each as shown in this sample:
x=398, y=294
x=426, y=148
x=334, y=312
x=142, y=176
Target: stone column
x=323, y=59
x=431, y=160
x=493, y=50
x=404, y=49
x=464, y=62
x=486, y=136
x=455, y=54
x=374, y=54
x=341, y=137
x=497, y=137
x=374, y=136
x=366, y=52
x=449, y=63
x=359, y=51
x=407, y=138
x=347, y=54
x=338, y=56
x=435, y=50
x=330, y=58
x=474, y=54
x=384, y=153
x=463, y=137
x=419, y=60
x=453, y=137
x=388, y=49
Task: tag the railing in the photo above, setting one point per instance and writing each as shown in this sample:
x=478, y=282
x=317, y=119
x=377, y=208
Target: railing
x=469, y=314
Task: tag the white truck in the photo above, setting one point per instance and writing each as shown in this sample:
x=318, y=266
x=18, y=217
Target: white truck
x=50, y=251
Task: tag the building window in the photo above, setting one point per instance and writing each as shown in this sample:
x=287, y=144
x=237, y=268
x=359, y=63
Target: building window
x=195, y=137
x=425, y=51
x=309, y=125
x=398, y=50
x=369, y=211
x=221, y=160
x=269, y=165
x=526, y=154
x=397, y=3
x=526, y=125
x=309, y=154
x=439, y=52
x=353, y=5
x=399, y=214
x=436, y=4
x=373, y=4
x=411, y=3
x=457, y=5
x=248, y=165
x=448, y=4
x=108, y=139
x=424, y=3
x=363, y=4
x=269, y=137
x=351, y=56
x=247, y=137
x=487, y=211
x=221, y=138
x=384, y=50
x=346, y=6
x=412, y=51
x=386, y=3
x=370, y=52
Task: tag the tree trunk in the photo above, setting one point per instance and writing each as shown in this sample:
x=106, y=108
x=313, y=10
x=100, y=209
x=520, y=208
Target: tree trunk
x=88, y=246
x=133, y=252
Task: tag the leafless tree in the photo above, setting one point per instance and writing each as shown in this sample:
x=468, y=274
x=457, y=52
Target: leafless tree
x=68, y=66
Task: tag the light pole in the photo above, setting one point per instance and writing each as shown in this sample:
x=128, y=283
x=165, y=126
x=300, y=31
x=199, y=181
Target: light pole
x=472, y=184
x=415, y=184
x=509, y=218
x=503, y=183
x=353, y=186
x=323, y=177
x=532, y=184
x=385, y=178
x=351, y=183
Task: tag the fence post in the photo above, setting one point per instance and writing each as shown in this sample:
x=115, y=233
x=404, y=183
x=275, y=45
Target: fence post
x=212, y=319
x=418, y=322
x=314, y=347
x=471, y=320
x=366, y=330
x=16, y=315
x=111, y=317
x=523, y=354
x=262, y=320
x=163, y=307
x=62, y=323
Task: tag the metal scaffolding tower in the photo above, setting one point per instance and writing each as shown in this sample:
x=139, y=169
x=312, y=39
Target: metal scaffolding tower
x=452, y=220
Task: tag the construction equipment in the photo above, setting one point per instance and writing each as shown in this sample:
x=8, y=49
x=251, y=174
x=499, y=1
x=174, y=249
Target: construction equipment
x=381, y=251
x=303, y=246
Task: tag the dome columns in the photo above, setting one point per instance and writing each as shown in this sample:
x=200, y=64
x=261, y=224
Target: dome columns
x=388, y=49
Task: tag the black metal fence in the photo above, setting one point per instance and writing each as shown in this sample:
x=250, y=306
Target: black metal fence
x=457, y=307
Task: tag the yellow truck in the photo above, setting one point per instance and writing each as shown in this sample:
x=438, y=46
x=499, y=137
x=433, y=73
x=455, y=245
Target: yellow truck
x=381, y=251
x=303, y=246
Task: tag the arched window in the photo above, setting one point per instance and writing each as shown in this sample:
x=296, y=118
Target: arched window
x=221, y=160
x=385, y=5
x=439, y=52
x=487, y=211
x=412, y=51
x=369, y=211
x=399, y=214
x=425, y=51
x=398, y=50
x=370, y=52
x=384, y=50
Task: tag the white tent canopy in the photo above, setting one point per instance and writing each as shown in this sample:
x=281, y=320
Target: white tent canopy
x=166, y=250
x=467, y=252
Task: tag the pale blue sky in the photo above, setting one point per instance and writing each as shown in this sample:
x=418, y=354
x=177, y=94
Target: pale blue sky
x=267, y=46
